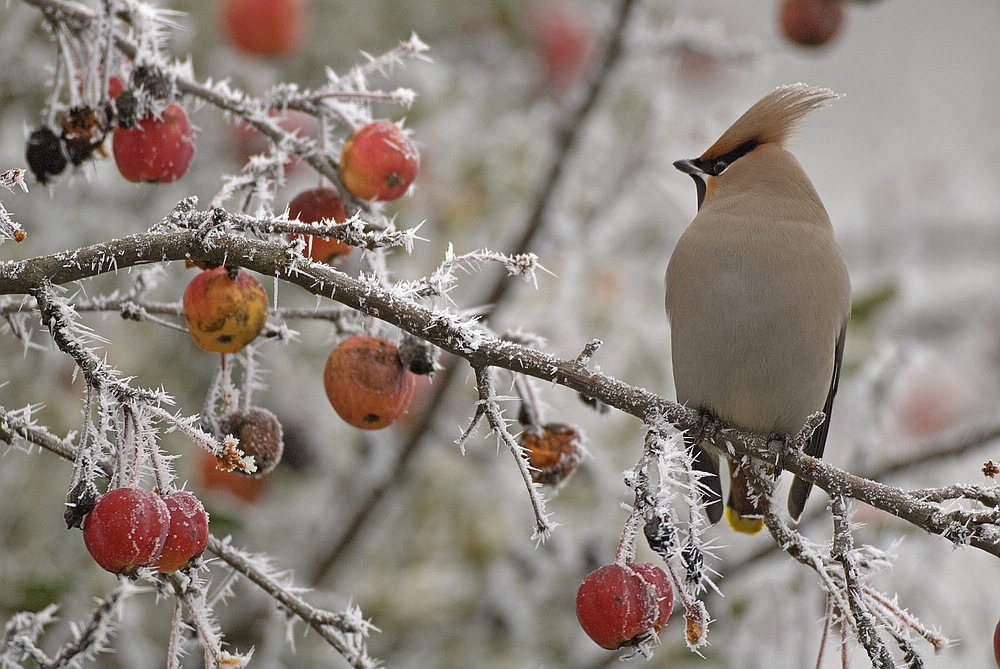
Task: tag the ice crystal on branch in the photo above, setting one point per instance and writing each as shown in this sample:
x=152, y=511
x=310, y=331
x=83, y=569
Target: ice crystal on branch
x=10, y=229
x=13, y=177
x=21, y=634
x=669, y=508
x=444, y=278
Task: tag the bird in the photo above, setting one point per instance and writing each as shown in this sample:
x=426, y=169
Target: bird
x=758, y=298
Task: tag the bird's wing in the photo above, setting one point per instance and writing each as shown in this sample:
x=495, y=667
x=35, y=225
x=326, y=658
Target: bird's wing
x=799, y=493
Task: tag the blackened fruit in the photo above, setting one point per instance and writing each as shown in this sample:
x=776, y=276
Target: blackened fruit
x=45, y=154
x=260, y=435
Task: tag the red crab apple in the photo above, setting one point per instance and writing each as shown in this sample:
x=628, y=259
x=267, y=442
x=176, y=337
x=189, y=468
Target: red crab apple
x=187, y=534
x=563, y=40
x=996, y=644
x=811, y=22
x=126, y=529
x=366, y=382
x=225, y=309
x=313, y=206
x=157, y=149
x=379, y=162
x=622, y=604
x=248, y=141
x=264, y=27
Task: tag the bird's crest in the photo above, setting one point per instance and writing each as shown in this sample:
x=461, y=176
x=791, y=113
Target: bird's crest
x=772, y=119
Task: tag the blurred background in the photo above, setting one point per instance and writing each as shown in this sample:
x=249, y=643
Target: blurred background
x=907, y=162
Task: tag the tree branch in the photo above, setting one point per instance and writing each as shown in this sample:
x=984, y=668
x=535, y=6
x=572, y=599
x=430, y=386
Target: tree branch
x=202, y=236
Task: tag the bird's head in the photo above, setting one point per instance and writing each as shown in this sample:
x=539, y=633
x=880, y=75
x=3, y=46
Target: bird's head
x=771, y=120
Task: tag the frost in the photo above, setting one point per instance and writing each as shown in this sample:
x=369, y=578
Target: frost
x=10, y=229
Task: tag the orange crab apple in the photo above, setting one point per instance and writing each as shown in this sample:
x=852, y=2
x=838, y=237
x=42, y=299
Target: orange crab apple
x=315, y=205
x=379, y=162
x=366, y=382
x=219, y=482
x=225, y=309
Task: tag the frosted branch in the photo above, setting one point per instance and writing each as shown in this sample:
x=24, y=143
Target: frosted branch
x=199, y=235
x=71, y=337
x=489, y=408
x=9, y=228
x=93, y=638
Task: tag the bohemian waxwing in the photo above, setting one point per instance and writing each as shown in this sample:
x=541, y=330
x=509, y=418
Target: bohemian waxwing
x=757, y=295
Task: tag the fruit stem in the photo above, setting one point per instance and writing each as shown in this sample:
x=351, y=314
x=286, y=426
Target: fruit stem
x=626, y=545
x=530, y=414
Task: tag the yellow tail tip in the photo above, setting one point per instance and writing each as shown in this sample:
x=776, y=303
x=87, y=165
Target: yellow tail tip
x=746, y=525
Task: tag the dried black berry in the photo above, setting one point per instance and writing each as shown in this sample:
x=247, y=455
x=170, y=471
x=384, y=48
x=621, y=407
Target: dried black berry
x=660, y=535
x=694, y=564
x=84, y=129
x=79, y=502
x=153, y=81
x=45, y=154
x=127, y=104
x=417, y=355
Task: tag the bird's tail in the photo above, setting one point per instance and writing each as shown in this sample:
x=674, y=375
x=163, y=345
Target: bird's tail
x=742, y=513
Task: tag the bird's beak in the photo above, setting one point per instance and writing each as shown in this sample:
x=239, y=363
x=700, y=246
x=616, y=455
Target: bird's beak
x=696, y=171
x=689, y=166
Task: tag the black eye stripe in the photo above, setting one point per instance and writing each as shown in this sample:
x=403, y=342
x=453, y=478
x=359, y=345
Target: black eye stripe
x=719, y=164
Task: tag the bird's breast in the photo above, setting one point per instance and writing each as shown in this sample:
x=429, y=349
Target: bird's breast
x=754, y=319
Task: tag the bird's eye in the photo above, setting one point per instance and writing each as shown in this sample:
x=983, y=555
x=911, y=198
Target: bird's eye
x=719, y=166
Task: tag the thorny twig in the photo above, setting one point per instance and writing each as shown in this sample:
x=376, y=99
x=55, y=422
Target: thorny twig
x=58, y=317
x=841, y=568
x=469, y=340
x=345, y=632
x=841, y=551
x=489, y=407
x=254, y=111
x=91, y=639
x=191, y=591
x=9, y=228
x=662, y=479
x=21, y=635
x=23, y=630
